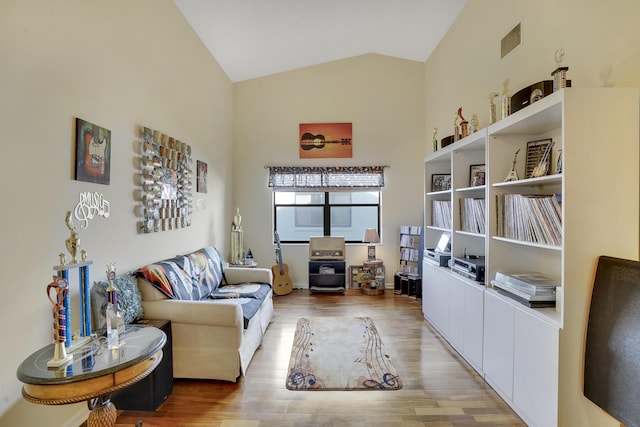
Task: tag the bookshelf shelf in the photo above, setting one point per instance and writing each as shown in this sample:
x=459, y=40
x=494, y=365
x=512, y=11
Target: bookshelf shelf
x=530, y=244
x=512, y=334
x=476, y=189
x=532, y=182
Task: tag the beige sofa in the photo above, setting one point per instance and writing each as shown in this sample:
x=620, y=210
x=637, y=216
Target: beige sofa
x=212, y=338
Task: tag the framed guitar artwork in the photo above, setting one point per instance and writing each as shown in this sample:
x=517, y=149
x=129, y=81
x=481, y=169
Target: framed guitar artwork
x=282, y=284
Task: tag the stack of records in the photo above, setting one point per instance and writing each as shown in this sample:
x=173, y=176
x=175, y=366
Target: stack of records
x=531, y=289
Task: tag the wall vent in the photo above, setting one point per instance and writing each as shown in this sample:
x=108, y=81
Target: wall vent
x=510, y=41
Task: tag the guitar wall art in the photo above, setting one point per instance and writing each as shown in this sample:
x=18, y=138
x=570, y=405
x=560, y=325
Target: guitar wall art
x=325, y=140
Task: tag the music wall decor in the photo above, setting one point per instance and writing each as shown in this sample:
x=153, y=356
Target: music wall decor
x=325, y=140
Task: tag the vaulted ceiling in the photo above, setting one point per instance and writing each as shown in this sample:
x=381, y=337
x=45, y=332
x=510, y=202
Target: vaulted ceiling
x=255, y=38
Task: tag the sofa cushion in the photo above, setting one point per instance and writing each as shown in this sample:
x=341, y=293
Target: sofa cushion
x=249, y=296
x=172, y=277
x=129, y=300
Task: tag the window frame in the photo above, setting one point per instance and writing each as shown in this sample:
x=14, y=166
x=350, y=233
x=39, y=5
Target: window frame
x=326, y=205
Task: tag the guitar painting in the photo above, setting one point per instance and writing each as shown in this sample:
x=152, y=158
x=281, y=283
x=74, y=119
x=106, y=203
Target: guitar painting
x=325, y=140
x=282, y=284
x=309, y=141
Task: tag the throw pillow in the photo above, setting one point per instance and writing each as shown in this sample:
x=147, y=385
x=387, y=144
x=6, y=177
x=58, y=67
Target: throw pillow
x=129, y=300
x=172, y=277
x=206, y=271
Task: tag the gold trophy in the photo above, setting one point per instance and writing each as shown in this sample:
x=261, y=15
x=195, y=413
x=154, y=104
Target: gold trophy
x=73, y=242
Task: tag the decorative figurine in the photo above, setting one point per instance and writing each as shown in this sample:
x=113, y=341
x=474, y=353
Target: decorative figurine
x=61, y=287
x=559, y=74
x=456, y=130
x=559, y=163
x=475, y=124
x=237, y=240
x=513, y=174
x=73, y=242
x=505, y=100
x=435, y=139
x=63, y=258
x=492, y=107
x=464, y=129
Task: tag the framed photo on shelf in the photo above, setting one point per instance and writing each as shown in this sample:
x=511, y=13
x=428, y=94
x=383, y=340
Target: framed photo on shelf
x=440, y=182
x=476, y=175
x=535, y=151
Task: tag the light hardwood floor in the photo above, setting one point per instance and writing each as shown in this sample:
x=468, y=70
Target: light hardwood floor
x=439, y=387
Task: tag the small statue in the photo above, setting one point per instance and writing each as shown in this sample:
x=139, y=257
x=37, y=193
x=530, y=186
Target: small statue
x=492, y=107
x=475, y=124
x=435, y=139
x=456, y=133
x=559, y=74
x=236, y=225
x=73, y=242
x=505, y=100
x=464, y=130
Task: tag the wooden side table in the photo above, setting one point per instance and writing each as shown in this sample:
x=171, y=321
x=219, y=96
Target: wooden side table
x=94, y=373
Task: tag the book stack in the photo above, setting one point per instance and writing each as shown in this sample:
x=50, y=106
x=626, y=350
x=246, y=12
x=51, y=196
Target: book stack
x=530, y=217
x=534, y=290
x=441, y=213
x=472, y=218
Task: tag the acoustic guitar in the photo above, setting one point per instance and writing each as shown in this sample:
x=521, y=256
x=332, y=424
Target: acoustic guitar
x=282, y=284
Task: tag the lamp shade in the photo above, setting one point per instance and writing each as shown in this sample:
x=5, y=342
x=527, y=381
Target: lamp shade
x=371, y=236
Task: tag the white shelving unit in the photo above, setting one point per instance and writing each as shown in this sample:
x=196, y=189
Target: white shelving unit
x=520, y=350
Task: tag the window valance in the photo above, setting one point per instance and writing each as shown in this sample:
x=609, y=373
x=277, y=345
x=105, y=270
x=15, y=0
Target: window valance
x=326, y=177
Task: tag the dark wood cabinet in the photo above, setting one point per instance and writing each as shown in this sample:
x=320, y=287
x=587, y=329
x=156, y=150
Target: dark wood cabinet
x=150, y=392
x=327, y=276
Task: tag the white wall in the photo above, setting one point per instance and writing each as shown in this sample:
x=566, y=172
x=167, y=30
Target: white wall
x=597, y=37
x=381, y=96
x=120, y=64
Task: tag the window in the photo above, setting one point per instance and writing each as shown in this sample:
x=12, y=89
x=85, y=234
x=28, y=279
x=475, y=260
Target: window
x=299, y=215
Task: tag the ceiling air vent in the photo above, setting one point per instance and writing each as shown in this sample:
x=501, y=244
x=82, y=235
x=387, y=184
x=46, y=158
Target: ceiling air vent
x=510, y=41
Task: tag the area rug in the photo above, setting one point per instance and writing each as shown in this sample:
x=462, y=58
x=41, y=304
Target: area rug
x=340, y=353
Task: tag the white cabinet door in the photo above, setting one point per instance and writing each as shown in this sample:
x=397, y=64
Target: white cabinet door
x=455, y=333
x=428, y=291
x=473, y=325
x=497, y=360
x=441, y=285
x=535, y=379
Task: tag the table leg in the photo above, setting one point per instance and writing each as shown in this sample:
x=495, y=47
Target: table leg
x=103, y=412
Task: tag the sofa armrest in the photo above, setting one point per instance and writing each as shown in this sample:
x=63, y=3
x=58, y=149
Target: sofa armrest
x=212, y=313
x=241, y=275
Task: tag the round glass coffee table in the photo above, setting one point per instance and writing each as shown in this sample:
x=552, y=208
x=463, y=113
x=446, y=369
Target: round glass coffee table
x=94, y=373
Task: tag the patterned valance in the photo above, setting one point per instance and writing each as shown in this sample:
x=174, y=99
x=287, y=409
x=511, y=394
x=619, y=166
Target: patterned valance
x=323, y=178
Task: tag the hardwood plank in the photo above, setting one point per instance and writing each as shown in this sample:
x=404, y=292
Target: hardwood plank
x=439, y=387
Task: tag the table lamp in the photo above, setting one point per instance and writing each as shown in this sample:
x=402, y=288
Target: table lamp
x=371, y=236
